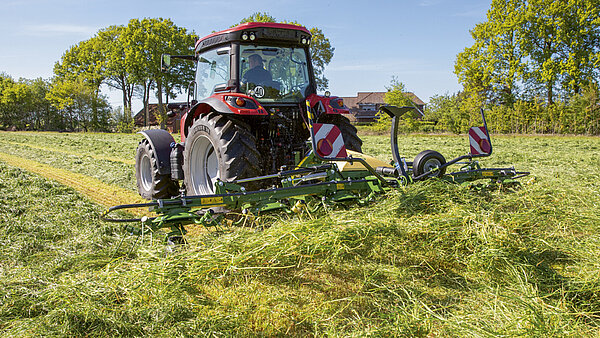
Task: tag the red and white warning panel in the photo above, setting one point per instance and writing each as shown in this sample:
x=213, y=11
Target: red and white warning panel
x=478, y=139
x=329, y=141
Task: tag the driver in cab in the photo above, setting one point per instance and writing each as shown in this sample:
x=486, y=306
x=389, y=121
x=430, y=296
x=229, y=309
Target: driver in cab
x=257, y=74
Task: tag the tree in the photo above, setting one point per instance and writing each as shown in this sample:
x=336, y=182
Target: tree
x=321, y=51
x=42, y=115
x=550, y=48
x=14, y=96
x=146, y=40
x=80, y=105
x=117, y=74
x=446, y=111
x=23, y=104
x=492, y=67
x=85, y=61
x=396, y=96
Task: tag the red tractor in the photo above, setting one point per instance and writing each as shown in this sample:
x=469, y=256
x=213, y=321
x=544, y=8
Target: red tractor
x=247, y=115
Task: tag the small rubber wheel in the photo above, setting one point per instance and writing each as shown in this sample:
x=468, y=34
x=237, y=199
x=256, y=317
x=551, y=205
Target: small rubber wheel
x=429, y=160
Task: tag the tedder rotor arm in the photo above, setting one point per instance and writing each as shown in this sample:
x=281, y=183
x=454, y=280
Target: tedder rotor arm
x=395, y=113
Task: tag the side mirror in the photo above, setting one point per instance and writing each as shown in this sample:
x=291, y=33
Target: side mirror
x=165, y=62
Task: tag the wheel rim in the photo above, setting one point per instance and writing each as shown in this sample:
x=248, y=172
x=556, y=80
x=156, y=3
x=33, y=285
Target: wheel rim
x=431, y=164
x=146, y=172
x=204, y=166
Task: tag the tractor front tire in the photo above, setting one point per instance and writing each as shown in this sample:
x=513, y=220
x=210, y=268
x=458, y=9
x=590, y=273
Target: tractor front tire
x=349, y=132
x=426, y=161
x=218, y=147
x=150, y=183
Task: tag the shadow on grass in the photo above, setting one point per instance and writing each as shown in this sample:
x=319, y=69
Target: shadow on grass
x=583, y=296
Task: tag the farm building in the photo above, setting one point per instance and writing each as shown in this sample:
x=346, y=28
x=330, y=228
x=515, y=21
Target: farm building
x=364, y=105
x=172, y=124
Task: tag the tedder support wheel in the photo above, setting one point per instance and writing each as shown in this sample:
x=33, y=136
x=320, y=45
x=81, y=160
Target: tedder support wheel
x=151, y=184
x=218, y=146
x=349, y=132
x=428, y=160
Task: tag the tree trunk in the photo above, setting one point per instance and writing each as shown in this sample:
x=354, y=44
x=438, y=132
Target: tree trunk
x=161, y=109
x=146, y=100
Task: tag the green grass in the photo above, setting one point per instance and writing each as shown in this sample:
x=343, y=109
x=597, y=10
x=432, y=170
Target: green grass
x=430, y=259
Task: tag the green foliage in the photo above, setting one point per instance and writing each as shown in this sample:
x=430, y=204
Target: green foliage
x=580, y=115
x=81, y=105
x=145, y=41
x=128, y=58
x=23, y=105
x=122, y=121
x=532, y=50
x=321, y=51
x=258, y=17
x=432, y=259
x=446, y=111
x=396, y=95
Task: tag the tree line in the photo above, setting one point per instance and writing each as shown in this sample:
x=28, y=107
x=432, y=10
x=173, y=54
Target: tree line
x=534, y=66
x=125, y=58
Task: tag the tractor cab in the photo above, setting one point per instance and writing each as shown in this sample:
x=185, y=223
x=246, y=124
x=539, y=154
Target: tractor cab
x=267, y=62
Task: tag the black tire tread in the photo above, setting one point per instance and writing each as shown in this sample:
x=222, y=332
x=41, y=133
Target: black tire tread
x=420, y=160
x=162, y=185
x=237, y=144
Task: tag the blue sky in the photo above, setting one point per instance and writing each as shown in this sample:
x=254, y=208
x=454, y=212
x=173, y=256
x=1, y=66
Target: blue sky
x=415, y=40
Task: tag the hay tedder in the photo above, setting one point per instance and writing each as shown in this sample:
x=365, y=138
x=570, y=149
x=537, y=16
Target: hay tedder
x=256, y=138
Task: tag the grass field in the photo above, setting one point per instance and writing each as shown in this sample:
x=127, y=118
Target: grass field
x=432, y=259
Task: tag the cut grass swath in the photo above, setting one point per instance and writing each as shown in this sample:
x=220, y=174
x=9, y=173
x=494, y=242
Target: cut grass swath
x=104, y=194
x=95, y=157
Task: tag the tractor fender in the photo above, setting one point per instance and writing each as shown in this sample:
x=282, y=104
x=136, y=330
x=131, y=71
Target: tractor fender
x=202, y=107
x=327, y=105
x=160, y=140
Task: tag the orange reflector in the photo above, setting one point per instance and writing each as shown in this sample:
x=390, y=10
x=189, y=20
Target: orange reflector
x=340, y=102
x=240, y=102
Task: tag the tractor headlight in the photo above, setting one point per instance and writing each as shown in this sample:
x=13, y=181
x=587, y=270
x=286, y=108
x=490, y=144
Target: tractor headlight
x=244, y=36
x=303, y=40
x=240, y=102
x=252, y=36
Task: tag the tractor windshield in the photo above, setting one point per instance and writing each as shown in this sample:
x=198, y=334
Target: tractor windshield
x=212, y=72
x=274, y=74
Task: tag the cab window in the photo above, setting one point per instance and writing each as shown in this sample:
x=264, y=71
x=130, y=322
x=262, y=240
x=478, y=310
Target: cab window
x=212, y=71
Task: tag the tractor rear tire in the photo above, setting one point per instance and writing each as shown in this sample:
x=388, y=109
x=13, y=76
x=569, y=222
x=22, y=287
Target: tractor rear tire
x=150, y=183
x=426, y=161
x=349, y=132
x=218, y=147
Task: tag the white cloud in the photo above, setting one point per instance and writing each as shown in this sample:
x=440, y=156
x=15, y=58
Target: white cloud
x=58, y=29
x=428, y=3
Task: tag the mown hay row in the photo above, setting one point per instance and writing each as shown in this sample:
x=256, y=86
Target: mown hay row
x=102, y=193
x=95, y=157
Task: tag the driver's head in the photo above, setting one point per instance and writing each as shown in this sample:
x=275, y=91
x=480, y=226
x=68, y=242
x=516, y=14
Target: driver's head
x=255, y=60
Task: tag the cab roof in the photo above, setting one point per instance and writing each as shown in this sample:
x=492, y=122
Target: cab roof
x=263, y=32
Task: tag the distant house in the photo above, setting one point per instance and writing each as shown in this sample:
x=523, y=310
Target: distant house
x=172, y=123
x=365, y=105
